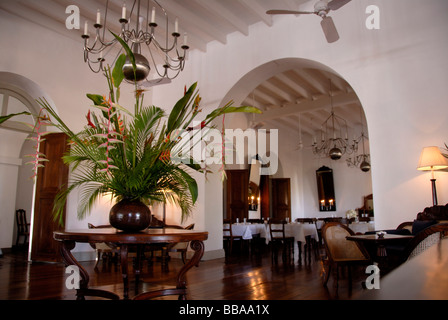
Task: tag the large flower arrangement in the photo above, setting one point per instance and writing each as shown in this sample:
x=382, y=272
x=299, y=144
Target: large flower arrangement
x=128, y=155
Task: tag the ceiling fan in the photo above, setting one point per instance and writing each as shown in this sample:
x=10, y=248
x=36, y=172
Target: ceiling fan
x=321, y=8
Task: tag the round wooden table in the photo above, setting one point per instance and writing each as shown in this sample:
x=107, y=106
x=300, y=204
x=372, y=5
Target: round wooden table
x=69, y=238
x=380, y=243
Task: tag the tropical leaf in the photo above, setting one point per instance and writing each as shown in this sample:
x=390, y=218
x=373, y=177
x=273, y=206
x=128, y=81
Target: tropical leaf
x=97, y=99
x=9, y=116
x=179, y=110
x=117, y=72
x=230, y=109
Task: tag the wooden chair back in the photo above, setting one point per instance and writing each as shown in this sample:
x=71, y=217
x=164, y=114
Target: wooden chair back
x=277, y=229
x=227, y=228
x=338, y=248
x=22, y=226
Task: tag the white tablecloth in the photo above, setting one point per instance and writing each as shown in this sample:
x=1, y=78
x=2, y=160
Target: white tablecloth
x=297, y=230
x=362, y=227
x=247, y=230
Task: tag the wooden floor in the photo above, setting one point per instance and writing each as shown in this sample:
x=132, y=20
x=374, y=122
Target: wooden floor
x=242, y=277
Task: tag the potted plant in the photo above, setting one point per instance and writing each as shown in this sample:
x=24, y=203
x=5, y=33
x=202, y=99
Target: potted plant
x=128, y=155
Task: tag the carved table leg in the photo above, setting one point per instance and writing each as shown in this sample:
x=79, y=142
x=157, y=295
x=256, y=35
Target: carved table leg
x=198, y=247
x=83, y=291
x=181, y=288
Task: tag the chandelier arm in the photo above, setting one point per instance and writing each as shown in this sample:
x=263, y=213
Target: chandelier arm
x=169, y=60
x=97, y=40
x=105, y=19
x=165, y=73
x=166, y=49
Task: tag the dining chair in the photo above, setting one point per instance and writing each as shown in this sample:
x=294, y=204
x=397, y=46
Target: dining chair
x=181, y=247
x=22, y=226
x=105, y=251
x=341, y=252
x=280, y=240
x=407, y=225
x=228, y=237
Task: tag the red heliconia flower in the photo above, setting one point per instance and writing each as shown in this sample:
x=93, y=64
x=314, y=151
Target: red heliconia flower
x=165, y=156
x=89, y=122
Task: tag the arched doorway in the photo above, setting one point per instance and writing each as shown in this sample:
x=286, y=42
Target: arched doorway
x=297, y=96
x=17, y=94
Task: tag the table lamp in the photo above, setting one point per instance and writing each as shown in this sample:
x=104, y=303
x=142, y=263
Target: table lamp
x=432, y=159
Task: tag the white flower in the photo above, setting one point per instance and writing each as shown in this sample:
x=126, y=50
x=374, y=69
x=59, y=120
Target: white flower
x=351, y=214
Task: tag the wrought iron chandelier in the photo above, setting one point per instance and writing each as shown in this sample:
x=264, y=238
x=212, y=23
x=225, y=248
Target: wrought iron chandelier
x=362, y=160
x=143, y=36
x=332, y=131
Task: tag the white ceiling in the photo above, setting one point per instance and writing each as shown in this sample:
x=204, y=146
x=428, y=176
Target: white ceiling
x=296, y=95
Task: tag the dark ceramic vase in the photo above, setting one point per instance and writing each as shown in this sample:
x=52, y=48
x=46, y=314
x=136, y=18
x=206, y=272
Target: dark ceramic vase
x=129, y=216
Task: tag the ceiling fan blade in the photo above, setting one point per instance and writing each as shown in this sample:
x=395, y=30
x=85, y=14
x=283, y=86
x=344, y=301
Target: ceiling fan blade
x=256, y=125
x=329, y=29
x=336, y=4
x=155, y=82
x=287, y=12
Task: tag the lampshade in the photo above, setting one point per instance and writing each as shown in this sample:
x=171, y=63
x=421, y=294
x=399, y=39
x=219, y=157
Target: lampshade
x=432, y=159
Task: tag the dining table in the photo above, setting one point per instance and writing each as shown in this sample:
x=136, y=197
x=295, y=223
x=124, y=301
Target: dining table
x=247, y=230
x=376, y=245
x=126, y=240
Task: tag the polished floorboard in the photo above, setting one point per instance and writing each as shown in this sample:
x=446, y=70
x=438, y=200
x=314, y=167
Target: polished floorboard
x=243, y=276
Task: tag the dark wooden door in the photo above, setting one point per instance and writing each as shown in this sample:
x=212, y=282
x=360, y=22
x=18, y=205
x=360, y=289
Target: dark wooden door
x=236, y=194
x=265, y=196
x=50, y=179
x=281, y=198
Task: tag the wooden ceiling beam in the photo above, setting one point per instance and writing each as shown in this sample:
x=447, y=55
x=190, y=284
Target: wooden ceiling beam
x=293, y=108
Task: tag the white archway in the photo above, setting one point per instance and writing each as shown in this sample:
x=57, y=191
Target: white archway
x=302, y=172
x=16, y=187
